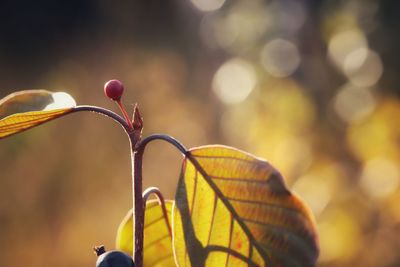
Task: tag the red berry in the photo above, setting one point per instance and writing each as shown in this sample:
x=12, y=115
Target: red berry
x=114, y=89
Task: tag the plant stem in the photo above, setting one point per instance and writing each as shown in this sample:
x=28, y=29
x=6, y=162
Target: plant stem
x=164, y=137
x=154, y=190
x=104, y=112
x=137, y=145
x=138, y=203
x=134, y=135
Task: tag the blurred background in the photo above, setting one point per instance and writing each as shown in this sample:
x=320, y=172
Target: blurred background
x=312, y=86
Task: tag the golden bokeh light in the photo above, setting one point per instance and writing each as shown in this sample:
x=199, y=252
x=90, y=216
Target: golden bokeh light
x=208, y=5
x=340, y=236
x=234, y=81
x=380, y=177
x=363, y=67
x=344, y=44
x=280, y=58
x=377, y=136
x=238, y=29
x=353, y=104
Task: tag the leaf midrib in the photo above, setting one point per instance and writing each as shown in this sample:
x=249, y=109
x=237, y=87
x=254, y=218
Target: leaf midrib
x=230, y=208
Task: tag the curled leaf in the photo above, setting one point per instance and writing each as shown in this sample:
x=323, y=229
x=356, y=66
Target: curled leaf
x=233, y=209
x=157, y=243
x=22, y=110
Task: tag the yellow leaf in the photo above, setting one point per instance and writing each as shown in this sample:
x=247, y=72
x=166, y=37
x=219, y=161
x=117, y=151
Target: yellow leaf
x=25, y=109
x=233, y=209
x=157, y=244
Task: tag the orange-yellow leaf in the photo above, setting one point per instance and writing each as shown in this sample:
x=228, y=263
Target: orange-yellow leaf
x=25, y=109
x=157, y=243
x=233, y=209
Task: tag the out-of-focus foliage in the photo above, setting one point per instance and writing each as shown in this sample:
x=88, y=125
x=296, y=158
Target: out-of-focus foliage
x=312, y=86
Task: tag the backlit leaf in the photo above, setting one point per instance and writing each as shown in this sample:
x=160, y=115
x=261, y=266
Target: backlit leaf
x=233, y=209
x=157, y=242
x=25, y=109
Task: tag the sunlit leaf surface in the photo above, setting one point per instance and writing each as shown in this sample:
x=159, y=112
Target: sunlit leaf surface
x=25, y=109
x=233, y=209
x=157, y=237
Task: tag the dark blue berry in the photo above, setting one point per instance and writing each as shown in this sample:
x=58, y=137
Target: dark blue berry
x=114, y=258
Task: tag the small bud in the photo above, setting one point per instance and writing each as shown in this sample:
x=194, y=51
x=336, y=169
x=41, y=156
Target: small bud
x=137, y=120
x=113, y=89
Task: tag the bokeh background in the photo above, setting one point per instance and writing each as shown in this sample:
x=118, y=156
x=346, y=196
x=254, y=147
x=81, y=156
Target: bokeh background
x=312, y=86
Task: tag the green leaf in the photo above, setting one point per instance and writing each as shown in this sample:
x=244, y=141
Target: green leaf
x=233, y=209
x=22, y=110
x=157, y=243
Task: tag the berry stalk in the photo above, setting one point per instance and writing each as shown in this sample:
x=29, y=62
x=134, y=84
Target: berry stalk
x=114, y=89
x=124, y=113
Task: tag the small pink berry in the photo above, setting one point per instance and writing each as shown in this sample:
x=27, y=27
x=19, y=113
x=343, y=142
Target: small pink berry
x=114, y=89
